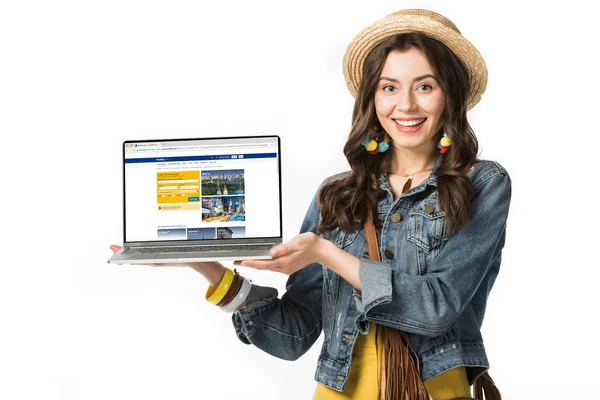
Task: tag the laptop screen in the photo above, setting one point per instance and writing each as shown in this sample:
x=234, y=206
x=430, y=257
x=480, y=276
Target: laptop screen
x=202, y=189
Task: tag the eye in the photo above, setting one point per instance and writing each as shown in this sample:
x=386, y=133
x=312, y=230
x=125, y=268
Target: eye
x=387, y=86
x=429, y=86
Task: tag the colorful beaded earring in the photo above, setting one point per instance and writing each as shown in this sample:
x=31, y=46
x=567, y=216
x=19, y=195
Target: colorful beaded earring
x=444, y=143
x=376, y=142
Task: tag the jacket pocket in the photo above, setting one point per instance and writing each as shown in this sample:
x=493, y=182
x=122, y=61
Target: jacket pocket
x=427, y=225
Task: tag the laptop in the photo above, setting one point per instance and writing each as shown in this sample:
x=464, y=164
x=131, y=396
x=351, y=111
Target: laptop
x=202, y=199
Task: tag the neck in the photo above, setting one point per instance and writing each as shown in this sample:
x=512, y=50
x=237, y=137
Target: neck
x=409, y=161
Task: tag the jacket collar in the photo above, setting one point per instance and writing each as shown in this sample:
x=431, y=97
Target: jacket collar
x=431, y=179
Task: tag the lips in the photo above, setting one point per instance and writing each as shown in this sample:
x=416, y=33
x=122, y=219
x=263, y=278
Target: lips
x=411, y=128
x=411, y=122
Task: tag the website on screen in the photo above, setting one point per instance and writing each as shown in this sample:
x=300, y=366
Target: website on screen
x=201, y=189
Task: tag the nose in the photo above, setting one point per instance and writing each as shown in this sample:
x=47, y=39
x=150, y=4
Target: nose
x=406, y=101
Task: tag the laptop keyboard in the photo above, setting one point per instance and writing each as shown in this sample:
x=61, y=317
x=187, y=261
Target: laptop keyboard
x=179, y=249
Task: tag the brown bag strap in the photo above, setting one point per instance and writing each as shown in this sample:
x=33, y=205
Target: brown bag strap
x=397, y=343
x=371, y=235
x=485, y=384
x=400, y=376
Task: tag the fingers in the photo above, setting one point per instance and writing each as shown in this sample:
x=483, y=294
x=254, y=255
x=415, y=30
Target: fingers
x=258, y=264
x=245, y=263
x=263, y=264
x=252, y=263
x=276, y=264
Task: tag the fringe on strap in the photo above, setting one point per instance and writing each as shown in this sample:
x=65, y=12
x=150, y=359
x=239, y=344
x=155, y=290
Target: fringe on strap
x=484, y=388
x=401, y=378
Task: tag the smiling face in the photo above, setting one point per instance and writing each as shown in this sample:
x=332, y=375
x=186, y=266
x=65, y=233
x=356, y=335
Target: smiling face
x=409, y=100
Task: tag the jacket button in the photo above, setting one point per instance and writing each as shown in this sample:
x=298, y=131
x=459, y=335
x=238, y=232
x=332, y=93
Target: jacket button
x=429, y=208
x=340, y=377
x=396, y=218
x=389, y=254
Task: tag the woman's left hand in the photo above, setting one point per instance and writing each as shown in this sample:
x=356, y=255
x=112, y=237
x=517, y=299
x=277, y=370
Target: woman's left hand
x=290, y=257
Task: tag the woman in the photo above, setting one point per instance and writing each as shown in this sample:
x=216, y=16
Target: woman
x=439, y=213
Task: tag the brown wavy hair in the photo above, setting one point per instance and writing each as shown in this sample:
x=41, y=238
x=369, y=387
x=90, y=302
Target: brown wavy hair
x=343, y=201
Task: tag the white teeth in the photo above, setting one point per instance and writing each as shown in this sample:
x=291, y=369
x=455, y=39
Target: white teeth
x=412, y=122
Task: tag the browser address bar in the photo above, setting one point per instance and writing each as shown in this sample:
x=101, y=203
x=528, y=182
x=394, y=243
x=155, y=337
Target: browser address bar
x=217, y=146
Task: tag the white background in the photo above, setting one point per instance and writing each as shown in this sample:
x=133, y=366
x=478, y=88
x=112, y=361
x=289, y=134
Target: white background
x=77, y=78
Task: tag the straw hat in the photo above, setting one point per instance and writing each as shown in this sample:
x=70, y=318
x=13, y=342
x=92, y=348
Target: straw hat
x=427, y=22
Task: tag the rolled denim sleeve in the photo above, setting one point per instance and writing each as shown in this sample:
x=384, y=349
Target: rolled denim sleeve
x=428, y=304
x=286, y=328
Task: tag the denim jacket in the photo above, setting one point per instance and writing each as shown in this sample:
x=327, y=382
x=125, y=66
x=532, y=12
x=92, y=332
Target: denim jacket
x=433, y=288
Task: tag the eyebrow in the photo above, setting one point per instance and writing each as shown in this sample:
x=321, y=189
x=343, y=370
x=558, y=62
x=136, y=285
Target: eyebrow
x=414, y=80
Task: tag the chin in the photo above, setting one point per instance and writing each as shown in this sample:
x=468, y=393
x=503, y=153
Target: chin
x=408, y=142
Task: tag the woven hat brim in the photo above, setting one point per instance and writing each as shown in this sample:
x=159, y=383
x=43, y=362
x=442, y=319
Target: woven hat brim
x=374, y=34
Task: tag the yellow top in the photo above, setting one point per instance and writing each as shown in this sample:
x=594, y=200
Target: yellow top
x=365, y=373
